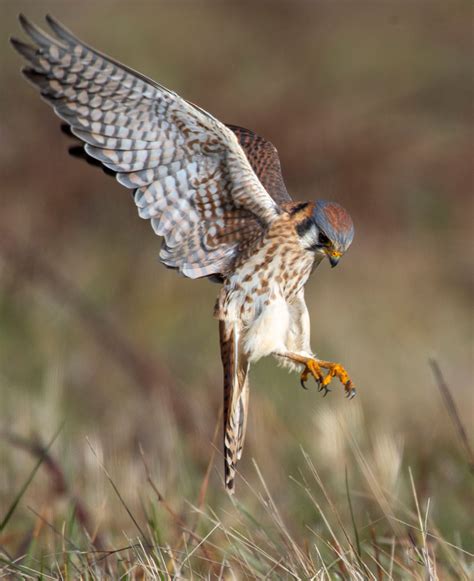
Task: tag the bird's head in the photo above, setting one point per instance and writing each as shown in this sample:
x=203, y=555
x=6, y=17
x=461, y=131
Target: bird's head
x=327, y=231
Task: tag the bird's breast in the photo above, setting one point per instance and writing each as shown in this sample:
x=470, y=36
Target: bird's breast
x=277, y=269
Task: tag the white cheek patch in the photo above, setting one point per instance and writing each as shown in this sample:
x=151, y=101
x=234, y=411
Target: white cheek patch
x=310, y=237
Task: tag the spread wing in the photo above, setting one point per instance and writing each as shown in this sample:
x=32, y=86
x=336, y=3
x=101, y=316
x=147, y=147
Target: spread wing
x=262, y=156
x=191, y=177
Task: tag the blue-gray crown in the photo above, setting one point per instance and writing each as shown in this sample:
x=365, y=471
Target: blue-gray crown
x=335, y=223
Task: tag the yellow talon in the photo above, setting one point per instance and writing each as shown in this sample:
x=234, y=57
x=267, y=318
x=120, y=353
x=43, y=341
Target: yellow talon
x=337, y=370
x=313, y=367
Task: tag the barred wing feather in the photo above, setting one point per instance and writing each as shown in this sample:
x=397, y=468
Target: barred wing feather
x=191, y=177
x=264, y=160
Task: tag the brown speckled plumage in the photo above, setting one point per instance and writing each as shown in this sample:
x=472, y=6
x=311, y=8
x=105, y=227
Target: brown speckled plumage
x=216, y=195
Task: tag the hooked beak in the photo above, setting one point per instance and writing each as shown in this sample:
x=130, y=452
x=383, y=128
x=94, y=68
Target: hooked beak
x=334, y=257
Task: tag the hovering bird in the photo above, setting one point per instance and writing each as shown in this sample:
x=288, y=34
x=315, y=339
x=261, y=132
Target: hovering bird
x=216, y=196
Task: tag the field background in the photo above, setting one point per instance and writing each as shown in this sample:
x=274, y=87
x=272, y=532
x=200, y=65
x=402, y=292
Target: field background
x=369, y=104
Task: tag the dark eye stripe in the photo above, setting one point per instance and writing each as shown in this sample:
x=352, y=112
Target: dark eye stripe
x=303, y=227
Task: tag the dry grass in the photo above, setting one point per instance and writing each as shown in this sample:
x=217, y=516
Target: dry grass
x=372, y=524
x=370, y=105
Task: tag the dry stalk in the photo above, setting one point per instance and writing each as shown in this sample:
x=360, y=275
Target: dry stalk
x=453, y=412
x=59, y=486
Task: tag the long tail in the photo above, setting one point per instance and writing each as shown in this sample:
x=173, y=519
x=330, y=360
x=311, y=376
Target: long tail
x=236, y=399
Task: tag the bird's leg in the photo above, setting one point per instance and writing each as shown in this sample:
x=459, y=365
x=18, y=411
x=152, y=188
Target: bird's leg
x=310, y=367
x=314, y=367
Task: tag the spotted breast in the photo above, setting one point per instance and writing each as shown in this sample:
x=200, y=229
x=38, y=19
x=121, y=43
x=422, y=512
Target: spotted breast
x=264, y=282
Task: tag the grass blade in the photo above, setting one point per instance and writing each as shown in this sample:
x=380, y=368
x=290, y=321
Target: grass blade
x=354, y=525
x=453, y=411
x=28, y=481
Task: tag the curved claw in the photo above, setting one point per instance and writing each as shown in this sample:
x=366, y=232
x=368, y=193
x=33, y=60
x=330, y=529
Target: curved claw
x=313, y=367
x=351, y=393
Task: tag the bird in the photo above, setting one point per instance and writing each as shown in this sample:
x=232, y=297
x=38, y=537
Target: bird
x=215, y=195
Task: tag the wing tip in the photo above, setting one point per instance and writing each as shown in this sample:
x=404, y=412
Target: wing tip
x=28, y=27
x=60, y=30
x=22, y=19
x=17, y=44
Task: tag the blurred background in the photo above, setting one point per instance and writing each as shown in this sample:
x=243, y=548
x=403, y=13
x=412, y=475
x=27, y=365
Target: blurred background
x=369, y=104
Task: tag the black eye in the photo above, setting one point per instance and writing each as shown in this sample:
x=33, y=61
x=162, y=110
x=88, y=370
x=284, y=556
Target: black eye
x=323, y=240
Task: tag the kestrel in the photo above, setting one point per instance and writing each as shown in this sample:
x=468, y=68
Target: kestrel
x=216, y=195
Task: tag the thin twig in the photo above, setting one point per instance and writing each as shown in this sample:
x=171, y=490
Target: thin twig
x=453, y=411
x=205, y=482
x=26, y=484
x=119, y=495
x=60, y=486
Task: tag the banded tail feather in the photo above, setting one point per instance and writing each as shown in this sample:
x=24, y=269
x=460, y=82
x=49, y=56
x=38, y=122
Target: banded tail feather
x=236, y=398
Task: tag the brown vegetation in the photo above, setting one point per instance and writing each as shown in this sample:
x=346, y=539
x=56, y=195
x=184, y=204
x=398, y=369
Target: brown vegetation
x=369, y=104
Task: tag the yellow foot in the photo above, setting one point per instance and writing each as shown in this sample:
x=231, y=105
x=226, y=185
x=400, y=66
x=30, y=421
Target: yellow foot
x=314, y=367
x=311, y=367
x=337, y=370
